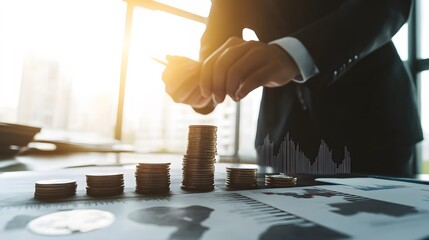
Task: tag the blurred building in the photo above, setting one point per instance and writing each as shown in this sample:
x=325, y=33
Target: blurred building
x=44, y=98
x=167, y=131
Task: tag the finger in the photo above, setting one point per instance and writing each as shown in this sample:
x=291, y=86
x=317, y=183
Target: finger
x=202, y=102
x=206, y=78
x=175, y=86
x=180, y=75
x=220, y=95
x=223, y=65
x=170, y=58
x=184, y=92
x=169, y=81
x=241, y=69
x=194, y=98
x=177, y=59
x=254, y=81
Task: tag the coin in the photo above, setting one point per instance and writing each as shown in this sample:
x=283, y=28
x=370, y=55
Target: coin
x=104, y=184
x=197, y=189
x=105, y=174
x=52, y=182
x=55, y=189
x=152, y=178
x=104, y=192
x=241, y=177
x=198, y=162
x=280, y=180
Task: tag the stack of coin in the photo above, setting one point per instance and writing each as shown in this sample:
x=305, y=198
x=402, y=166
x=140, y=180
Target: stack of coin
x=198, y=162
x=280, y=180
x=241, y=178
x=104, y=184
x=55, y=189
x=153, y=178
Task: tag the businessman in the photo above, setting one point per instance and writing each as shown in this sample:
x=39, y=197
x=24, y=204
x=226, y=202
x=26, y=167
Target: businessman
x=329, y=71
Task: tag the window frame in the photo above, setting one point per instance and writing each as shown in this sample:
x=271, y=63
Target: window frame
x=416, y=65
x=131, y=4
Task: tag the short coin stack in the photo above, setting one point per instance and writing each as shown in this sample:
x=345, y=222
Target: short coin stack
x=152, y=178
x=104, y=184
x=279, y=180
x=55, y=189
x=198, y=162
x=241, y=178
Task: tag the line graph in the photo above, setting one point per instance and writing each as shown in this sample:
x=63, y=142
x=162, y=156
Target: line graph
x=291, y=159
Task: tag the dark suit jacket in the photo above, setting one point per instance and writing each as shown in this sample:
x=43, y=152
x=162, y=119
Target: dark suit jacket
x=363, y=96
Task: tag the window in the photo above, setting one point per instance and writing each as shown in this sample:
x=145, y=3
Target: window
x=60, y=69
x=424, y=86
x=152, y=121
x=59, y=65
x=423, y=31
x=401, y=42
x=421, y=39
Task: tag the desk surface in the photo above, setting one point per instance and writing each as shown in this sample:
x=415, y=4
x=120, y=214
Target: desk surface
x=353, y=208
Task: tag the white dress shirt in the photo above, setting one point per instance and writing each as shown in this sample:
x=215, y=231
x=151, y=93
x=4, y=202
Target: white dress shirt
x=300, y=55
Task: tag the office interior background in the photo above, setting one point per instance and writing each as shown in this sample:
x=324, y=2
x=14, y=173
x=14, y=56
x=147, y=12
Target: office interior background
x=61, y=63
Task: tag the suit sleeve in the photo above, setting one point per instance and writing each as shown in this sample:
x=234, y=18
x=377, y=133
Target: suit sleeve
x=357, y=28
x=222, y=23
x=220, y=26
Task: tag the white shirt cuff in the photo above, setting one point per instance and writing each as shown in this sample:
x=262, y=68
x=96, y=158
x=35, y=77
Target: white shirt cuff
x=300, y=55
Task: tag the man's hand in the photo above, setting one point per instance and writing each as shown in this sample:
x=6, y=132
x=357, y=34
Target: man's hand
x=181, y=78
x=238, y=67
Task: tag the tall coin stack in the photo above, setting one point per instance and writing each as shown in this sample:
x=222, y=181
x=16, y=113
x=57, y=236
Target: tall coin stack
x=241, y=178
x=198, y=162
x=55, y=189
x=152, y=178
x=104, y=184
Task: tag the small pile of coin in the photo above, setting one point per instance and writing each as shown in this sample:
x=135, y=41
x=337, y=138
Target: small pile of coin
x=104, y=184
x=241, y=177
x=198, y=162
x=279, y=180
x=55, y=189
x=152, y=178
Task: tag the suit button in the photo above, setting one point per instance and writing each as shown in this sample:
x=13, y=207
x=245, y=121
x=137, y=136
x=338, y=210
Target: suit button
x=350, y=60
x=355, y=57
x=301, y=99
x=335, y=73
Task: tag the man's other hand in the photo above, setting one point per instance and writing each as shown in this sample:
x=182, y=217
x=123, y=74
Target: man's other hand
x=181, y=79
